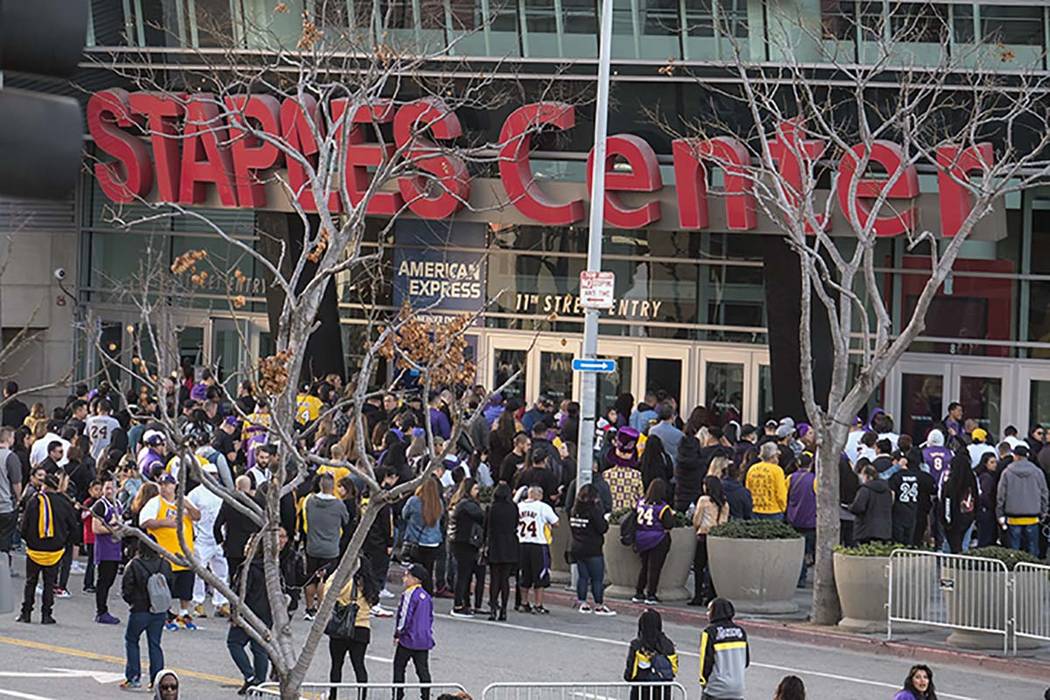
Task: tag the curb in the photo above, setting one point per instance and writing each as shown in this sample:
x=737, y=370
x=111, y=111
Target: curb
x=805, y=633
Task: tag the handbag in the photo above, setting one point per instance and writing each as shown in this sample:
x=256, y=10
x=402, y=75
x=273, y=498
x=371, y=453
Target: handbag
x=409, y=552
x=344, y=617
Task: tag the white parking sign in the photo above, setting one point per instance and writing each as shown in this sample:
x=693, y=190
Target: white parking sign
x=596, y=289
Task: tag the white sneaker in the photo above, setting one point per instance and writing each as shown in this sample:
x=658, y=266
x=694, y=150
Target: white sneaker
x=77, y=568
x=39, y=589
x=380, y=611
x=584, y=608
x=604, y=611
x=386, y=594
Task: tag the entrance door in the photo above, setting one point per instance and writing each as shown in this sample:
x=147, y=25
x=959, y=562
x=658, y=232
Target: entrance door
x=1033, y=398
x=231, y=348
x=923, y=388
x=623, y=380
x=509, y=355
x=553, y=373
x=725, y=379
x=664, y=368
x=921, y=392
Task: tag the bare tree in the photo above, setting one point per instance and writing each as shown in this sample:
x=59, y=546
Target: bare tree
x=360, y=134
x=970, y=114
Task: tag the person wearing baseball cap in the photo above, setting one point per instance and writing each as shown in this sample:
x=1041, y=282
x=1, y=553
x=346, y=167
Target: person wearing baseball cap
x=154, y=449
x=979, y=446
x=414, y=632
x=158, y=518
x=47, y=525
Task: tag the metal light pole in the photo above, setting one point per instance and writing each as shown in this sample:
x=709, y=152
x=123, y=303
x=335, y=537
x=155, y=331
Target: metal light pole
x=589, y=380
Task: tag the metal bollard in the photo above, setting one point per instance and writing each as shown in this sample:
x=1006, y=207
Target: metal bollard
x=7, y=593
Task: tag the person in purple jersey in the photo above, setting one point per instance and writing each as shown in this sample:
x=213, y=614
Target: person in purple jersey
x=652, y=540
x=936, y=456
x=105, y=512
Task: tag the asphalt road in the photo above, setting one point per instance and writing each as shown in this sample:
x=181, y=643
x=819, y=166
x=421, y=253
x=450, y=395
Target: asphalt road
x=79, y=659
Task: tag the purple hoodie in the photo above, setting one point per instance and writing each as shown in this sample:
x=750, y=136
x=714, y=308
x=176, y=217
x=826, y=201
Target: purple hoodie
x=802, y=500
x=415, y=620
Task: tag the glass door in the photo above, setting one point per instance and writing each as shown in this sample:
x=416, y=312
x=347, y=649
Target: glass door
x=725, y=379
x=1033, y=399
x=664, y=369
x=509, y=356
x=980, y=388
x=921, y=401
x=231, y=345
x=554, y=378
x=623, y=380
x=761, y=392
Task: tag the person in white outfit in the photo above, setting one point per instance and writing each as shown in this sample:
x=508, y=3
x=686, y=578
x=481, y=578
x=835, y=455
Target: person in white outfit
x=208, y=551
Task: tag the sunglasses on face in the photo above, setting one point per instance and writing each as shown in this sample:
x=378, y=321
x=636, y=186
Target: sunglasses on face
x=169, y=686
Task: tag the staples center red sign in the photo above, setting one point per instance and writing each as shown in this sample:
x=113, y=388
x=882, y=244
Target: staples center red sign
x=192, y=147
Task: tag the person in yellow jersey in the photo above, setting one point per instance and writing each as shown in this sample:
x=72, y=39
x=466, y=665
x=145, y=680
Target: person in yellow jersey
x=158, y=518
x=765, y=480
x=307, y=407
x=47, y=525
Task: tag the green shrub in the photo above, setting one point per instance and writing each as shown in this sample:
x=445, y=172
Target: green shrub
x=755, y=530
x=873, y=549
x=1010, y=557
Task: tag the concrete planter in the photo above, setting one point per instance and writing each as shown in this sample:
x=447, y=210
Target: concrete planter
x=561, y=536
x=976, y=598
x=759, y=576
x=622, y=565
x=863, y=586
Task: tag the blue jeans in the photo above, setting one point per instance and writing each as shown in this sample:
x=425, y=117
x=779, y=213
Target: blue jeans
x=256, y=669
x=591, y=572
x=1028, y=533
x=768, y=516
x=153, y=625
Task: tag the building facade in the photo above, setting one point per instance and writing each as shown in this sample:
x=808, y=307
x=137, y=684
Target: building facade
x=691, y=316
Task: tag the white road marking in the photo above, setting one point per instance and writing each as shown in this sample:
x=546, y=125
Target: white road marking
x=620, y=643
x=380, y=659
x=24, y=696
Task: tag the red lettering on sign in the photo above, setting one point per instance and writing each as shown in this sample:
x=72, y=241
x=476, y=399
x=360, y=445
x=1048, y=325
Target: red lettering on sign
x=690, y=156
x=891, y=158
x=162, y=114
x=296, y=121
x=130, y=176
x=250, y=153
x=644, y=177
x=204, y=161
x=954, y=165
x=516, y=171
x=362, y=154
x=792, y=152
x=453, y=180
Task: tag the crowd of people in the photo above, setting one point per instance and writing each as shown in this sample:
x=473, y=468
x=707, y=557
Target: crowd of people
x=72, y=477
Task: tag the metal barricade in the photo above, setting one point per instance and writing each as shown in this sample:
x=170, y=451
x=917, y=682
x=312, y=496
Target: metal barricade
x=1031, y=611
x=583, y=690
x=363, y=691
x=949, y=590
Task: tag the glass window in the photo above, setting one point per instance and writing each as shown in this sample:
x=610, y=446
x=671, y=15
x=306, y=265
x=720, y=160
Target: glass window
x=664, y=375
x=982, y=400
x=211, y=23
x=1039, y=403
x=612, y=384
x=765, y=394
x=556, y=375
x=1012, y=24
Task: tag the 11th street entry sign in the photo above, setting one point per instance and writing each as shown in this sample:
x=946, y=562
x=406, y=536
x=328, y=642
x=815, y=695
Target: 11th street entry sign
x=603, y=366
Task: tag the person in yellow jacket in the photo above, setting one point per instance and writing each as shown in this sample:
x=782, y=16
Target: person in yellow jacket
x=362, y=590
x=158, y=518
x=765, y=480
x=47, y=526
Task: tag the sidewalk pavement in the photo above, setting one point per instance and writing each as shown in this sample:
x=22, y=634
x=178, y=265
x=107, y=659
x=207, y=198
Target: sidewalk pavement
x=927, y=645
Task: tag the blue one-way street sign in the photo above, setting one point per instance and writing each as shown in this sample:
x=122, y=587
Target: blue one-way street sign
x=580, y=364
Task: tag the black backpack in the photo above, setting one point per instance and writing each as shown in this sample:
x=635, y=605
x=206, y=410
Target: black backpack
x=629, y=528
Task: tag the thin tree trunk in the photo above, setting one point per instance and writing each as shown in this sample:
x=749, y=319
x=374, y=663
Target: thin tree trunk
x=826, y=609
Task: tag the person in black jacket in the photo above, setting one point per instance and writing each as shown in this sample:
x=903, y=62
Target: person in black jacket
x=873, y=507
x=379, y=541
x=466, y=535
x=232, y=530
x=687, y=474
x=655, y=462
x=848, y=485
x=502, y=531
x=48, y=525
x=257, y=600
x=737, y=496
x=588, y=524
x=651, y=658
x=134, y=588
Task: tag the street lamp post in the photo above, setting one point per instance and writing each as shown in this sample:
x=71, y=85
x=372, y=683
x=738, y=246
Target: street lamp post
x=589, y=380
